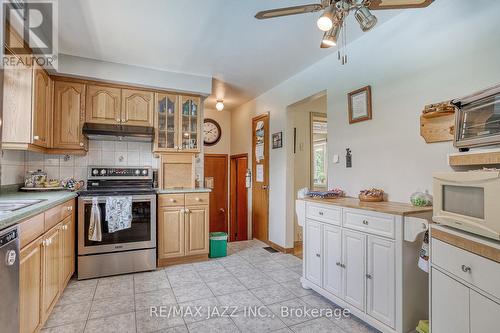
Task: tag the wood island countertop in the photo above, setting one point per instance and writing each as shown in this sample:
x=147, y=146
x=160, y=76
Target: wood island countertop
x=388, y=207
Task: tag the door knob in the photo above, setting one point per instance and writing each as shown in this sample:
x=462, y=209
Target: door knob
x=265, y=187
x=222, y=210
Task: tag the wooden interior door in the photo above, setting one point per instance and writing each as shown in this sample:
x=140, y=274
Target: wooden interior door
x=238, y=230
x=216, y=167
x=260, y=175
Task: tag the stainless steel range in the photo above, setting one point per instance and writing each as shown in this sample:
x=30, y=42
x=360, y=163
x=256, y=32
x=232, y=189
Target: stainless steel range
x=124, y=251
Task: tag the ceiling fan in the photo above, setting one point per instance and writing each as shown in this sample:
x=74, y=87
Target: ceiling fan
x=332, y=21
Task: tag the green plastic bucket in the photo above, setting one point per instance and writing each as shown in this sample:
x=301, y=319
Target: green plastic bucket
x=218, y=244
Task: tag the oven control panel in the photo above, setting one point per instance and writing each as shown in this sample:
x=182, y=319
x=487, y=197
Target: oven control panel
x=109, y=173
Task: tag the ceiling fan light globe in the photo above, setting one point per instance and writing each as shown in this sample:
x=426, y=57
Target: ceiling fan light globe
x=325, y=21
x=365, y=18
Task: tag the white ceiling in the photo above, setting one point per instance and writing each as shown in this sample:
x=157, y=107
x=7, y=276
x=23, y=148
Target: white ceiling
x=215, y=38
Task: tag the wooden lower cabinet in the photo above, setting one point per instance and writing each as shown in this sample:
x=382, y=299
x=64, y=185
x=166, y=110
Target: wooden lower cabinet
x=196, y=231
x=51, y=275
x=30, y=286
x=46, y=266
x=170, y=232
x=182, y=230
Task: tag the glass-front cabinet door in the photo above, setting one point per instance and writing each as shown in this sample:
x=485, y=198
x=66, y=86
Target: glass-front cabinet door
x=190, y=123
x=177, y=123
x=166, y=135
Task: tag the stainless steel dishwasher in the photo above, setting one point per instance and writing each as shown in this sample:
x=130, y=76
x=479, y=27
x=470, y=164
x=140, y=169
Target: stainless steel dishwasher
x=9, y=280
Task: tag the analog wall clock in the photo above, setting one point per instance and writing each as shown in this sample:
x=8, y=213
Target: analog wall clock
x=211, y=132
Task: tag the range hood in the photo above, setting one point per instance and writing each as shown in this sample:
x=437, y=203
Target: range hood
x=109, y=132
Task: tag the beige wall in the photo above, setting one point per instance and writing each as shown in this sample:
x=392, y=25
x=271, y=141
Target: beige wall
x=224, y=119
x=300, y=114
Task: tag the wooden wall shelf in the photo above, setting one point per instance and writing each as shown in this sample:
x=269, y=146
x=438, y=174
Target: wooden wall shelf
x=490, y=157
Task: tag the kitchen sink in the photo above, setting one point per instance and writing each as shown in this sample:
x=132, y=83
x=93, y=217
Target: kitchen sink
x=7, y=206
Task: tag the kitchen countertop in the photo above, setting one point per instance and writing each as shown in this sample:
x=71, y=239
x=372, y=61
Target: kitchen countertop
x=482, y=246
x=393, y=208
x=51, y=199
x=183, y=190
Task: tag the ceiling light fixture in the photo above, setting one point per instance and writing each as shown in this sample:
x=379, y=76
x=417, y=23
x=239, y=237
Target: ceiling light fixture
x=325, y=21
x=219, y=105
x=365, y=18
x=331, y=37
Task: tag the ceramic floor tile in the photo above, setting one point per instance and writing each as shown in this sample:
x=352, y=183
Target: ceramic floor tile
x=154, y=298
x=111, y=306
x=69, y=328
x=283, y=275
x=201, y=309
x=288, y=260
x=214, y=325
x=297, y=269
x=114, y=289
x=239, y=301
x=319, y=325
x=70, y=313
x=262, y=321
x=192, y=292
x=292, y=312
x=177, y=329
x=146, y=322
x=77, y=295
x=175, y=269
x=122, y=323
x=252, y=282
x=317, y=301
x=214, y=274
x=272, y=294
x=353, y=325
x=204, y=265
x=225, y=286
x=268, y=265
x=116, y=279
x=283, y=330
x=184, y=278
x=150, y=281
x=245, y=271
x=75, y=284
x=295, y=286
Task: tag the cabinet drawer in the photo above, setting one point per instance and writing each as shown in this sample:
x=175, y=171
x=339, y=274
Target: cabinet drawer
x=323, y=213
x=55, y=215
x=377, y=224
x=170, y=200
x=196, y=199
x=31, y=229
x=476, y=270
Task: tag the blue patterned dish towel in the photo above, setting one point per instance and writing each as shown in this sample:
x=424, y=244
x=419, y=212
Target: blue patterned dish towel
x=118, y=213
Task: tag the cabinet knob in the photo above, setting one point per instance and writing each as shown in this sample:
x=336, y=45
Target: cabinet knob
x=365, y=222
x=197, y=199
x=173, y=200
x=318, y=255
x=466, y=269
x=36, y=137
x=320, y=213
x=368, y=276
x=81, y=144
x=342, y=265
x=176, y=147
x=338, y=264
x=188, y=211
x=69, y=208
x=118, y=120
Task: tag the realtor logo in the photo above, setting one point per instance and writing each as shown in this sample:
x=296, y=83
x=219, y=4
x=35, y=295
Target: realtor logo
x=33, y=37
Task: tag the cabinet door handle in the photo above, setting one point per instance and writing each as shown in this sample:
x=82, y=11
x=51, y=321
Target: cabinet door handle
x=69, y=208
x=466, y=269
x=320, y=213
x=365, y=222
x=338, y=264
x=318, y=255
x=368, y=276
x=342, y=265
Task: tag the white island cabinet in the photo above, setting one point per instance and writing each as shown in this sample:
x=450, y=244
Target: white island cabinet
x=465, y=282
x=365, y=260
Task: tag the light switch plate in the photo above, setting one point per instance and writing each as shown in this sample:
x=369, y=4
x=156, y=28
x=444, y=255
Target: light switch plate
x=336, y=158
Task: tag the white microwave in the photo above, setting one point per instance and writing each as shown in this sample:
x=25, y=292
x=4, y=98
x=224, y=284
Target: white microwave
x=469, y=201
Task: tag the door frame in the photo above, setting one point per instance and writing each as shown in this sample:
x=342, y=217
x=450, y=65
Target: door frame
x=226, y=158
x=266, y=171
x=233, y=198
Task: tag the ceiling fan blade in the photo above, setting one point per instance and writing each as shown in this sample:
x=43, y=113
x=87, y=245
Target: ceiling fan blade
x=398, y=4
x=266, y=14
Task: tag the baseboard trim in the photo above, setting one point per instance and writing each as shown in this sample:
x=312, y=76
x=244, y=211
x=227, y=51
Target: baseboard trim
x=280, y=248
x=181, y=260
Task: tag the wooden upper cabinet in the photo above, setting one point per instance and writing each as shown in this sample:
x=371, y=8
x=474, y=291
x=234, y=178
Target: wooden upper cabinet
x=190, y=124
x=69, y=106
x=103, y=104
x=137, y=107
x=166, y=123
x=42, y=106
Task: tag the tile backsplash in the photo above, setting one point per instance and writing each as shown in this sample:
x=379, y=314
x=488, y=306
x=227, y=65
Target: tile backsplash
x=107, y=153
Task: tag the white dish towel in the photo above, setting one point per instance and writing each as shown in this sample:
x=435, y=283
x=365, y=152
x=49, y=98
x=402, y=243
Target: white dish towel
x=95, y=233
x=118, y=213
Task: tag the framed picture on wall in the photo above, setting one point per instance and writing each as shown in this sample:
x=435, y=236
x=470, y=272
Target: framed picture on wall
x=360, y=105
x=278, y=140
